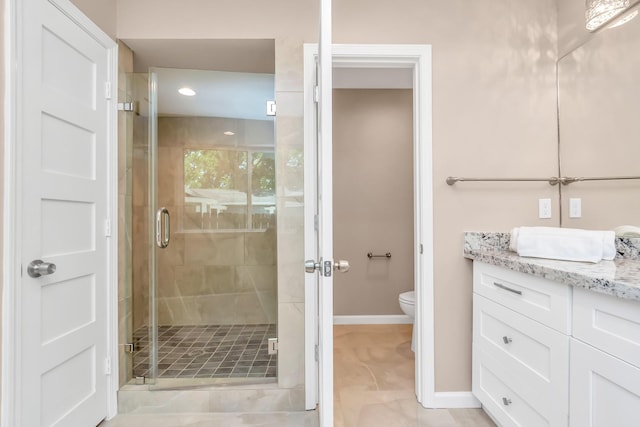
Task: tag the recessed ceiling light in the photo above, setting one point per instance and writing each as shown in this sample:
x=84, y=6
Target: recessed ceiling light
x=229, y=133
x=186, y=91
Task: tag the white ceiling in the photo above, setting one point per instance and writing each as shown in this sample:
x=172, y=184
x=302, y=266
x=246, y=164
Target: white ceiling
x=218, y=93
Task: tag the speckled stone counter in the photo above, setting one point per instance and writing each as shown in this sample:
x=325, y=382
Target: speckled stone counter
x=620, y=277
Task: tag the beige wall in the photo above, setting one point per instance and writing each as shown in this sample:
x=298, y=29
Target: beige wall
x=599, y=107
x=493, y=102
x=372, y=198
x=494, y=113
x=571, y=25
x=101, y=12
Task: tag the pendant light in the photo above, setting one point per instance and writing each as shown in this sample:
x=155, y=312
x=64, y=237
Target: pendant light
x=600, y=11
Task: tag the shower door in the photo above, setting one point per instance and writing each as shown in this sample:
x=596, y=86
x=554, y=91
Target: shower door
x=211, y=227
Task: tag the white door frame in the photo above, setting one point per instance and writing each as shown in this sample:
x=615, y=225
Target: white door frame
x=417, y=58
x=12, y=221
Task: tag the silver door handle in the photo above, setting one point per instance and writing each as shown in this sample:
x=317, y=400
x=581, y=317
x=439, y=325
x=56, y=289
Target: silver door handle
x=163, y=234
x=37, y=268
x=310, y=266
x=341, y=265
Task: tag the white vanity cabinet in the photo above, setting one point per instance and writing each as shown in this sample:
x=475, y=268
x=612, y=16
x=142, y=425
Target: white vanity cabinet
x=548, y=354
x=605, y=361
x=521, y=347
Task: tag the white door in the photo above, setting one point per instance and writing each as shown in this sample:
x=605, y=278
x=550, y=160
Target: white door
x=63, y=117
x=324, y=266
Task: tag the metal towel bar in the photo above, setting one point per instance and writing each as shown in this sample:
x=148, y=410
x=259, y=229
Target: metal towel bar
x=371, y=255
x=554, y=180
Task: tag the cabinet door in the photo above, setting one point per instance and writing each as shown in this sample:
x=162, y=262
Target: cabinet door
x=520, y=367
x=605, y=391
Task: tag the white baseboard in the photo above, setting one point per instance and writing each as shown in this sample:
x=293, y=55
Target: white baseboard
x=455, y=399
x=387, y=319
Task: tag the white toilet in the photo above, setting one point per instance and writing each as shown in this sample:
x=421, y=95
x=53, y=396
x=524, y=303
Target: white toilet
x=408, y=305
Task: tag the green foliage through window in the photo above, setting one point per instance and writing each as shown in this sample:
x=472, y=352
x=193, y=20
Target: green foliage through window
x=217, y=185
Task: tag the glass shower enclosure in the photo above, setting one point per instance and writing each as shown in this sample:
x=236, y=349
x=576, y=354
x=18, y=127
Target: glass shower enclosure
x=203, y=215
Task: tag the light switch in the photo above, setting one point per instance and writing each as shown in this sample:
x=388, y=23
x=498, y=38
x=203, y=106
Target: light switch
x=575, y=208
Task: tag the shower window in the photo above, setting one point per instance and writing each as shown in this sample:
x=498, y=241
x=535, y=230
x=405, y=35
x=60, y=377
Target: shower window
x=229, y=190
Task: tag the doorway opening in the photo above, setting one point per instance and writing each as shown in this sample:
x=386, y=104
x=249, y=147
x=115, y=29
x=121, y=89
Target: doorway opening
x=394, y=60
x=373, y=211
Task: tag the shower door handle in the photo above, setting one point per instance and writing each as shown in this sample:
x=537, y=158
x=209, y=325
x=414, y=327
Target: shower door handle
x=163, y=228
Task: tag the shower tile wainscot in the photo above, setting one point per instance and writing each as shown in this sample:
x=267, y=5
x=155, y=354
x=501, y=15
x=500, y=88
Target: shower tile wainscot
x=577, y=323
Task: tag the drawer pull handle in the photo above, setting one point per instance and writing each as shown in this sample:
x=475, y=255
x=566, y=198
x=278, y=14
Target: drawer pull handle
x=506, y=288
x=506, y=339
x=506, y=401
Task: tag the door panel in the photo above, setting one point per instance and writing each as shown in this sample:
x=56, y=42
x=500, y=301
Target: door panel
x=64, y=210
x=325, y=217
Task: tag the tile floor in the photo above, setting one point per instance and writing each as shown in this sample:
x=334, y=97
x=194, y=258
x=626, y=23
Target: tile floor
x=208, y=351
x=374, y=382
x=373, y=388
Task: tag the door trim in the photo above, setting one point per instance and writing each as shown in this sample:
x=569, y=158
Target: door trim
x=417, y=58
x=12, y=218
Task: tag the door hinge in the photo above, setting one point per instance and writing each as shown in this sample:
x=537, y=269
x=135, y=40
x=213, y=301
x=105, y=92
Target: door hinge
x=317, y=352
x=107, y=366
x=316, y=222
x=421, y=249
x=316, y=94
x=107, y=90
x=271, y=108
x=107, y=227
x=272, y=345
x=129, y=347
x=128, y=107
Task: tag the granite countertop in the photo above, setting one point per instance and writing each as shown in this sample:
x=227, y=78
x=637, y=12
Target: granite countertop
x=620, y=277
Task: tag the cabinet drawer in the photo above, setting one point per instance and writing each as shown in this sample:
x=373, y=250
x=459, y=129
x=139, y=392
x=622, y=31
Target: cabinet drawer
x=539, y=299
x=605, y=391
x=609, y=323
x=540, y=353
x=508, y=401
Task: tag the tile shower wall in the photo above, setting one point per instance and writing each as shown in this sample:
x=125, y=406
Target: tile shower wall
x=205, y=278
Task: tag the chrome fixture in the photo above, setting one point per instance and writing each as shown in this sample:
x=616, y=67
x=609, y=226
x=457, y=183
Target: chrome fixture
x=325, y=267
x=341, y=265
x=564, y=180
x=506, y=288
x=552, y=180
x=37, y=268
x=310, y=266
x=372, y=255
x=599, y=12
x=163, y=234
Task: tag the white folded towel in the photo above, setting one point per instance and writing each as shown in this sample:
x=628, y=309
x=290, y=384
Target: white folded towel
x=568, y=244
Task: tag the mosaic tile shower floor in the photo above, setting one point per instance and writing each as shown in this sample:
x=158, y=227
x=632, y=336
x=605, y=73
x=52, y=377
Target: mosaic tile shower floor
x=208, y=351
